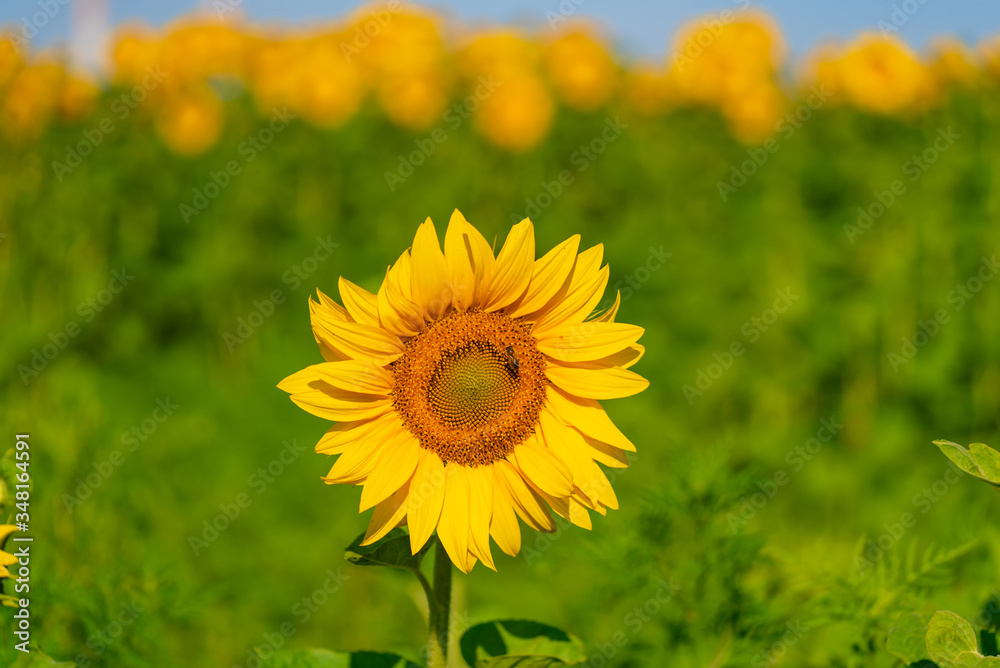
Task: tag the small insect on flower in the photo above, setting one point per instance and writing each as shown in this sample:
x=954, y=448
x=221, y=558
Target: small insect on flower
x=512, y=363
x=466, y=390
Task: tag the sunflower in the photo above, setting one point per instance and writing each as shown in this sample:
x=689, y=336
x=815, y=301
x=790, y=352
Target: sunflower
x=6, y=558
x=466, y=392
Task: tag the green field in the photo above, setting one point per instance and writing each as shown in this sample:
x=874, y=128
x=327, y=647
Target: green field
x=786, y=504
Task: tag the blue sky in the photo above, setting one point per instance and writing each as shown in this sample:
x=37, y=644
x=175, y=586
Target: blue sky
x=640, y=28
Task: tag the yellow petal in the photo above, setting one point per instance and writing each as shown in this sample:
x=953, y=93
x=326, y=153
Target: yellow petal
x=426, y=496
x=356, y=340
x=453, y=526
x=355, y=464
x=569, y=446
x=595, y=382
x=586, y=415
x=514, y=265
x=330, y=308
x=6, y=559
x=548, y=274
x=612, y=311
x=527, y=504
x=387, y=516
x=397, y=460
x=575, y=301
x=317, y=315
x=540, y=466
x=396, y=312
x=343, y=435
x=332, y=403
x=361, y=305
x=362, y=376
x=6, y=530
x=569, y=508
x=503, y=526
x=481, y=513
x=429, y=277
x=587, y=341
x=470, y=262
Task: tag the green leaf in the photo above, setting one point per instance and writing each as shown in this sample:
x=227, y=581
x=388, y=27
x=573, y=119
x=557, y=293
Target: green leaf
x=520, y=643
x=392, y=550
x=521, y=662
x=988, y=460
x=35, y=658
x=324, y=658
x=907, y=639
x=980, y=460
x=948, y=637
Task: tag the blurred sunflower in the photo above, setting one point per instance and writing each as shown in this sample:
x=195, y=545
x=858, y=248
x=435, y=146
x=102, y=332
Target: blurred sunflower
x=466, y=391
x=6, y=558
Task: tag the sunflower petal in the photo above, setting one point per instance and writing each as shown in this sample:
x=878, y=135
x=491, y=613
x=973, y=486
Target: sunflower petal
x=582, y=295
x=586, y=341
x=541, y=466
x=527, y=504
x=453, y=526
x=481, y=513
x=569, y=446
x=356, y=340
x=609, y=314
x=548, y=274
x=387, y=516
x=429, y=276
x=426, y=496
x=596, y=382
x=503, y=525
x=586, y=415
x=397, y=460
x=470, y=262
x=513, y=273
x=361, y=305
x=355, y=464
x=343, y=435
x=396, y=312
x=362, y=376
x=332, y=403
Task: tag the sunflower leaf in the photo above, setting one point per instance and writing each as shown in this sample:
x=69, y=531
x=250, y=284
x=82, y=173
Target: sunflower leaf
x=951, y=641
x=324, y=658
x=906, y=639
x=393, y=550
x=978, y=460
x=519, y=643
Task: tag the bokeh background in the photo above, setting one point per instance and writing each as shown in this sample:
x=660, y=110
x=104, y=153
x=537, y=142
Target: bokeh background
x=806, y=228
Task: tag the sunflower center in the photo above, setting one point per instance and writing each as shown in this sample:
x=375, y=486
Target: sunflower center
x=470, y=386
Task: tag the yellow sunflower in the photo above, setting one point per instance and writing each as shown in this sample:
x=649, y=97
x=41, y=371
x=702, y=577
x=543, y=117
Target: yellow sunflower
x=6, y=558
x=466, y=392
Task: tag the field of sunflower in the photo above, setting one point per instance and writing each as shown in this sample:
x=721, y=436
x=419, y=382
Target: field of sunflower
x=806, y=247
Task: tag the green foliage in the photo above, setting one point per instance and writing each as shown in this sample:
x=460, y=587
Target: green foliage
x=392, y=550
x=519, y=643
x=743, y=514
x=979, y=460
x=323, y=658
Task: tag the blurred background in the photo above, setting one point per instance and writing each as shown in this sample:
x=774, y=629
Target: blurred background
x=800, y=203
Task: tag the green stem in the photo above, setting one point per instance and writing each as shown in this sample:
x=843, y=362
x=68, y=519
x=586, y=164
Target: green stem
x=439, y=604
